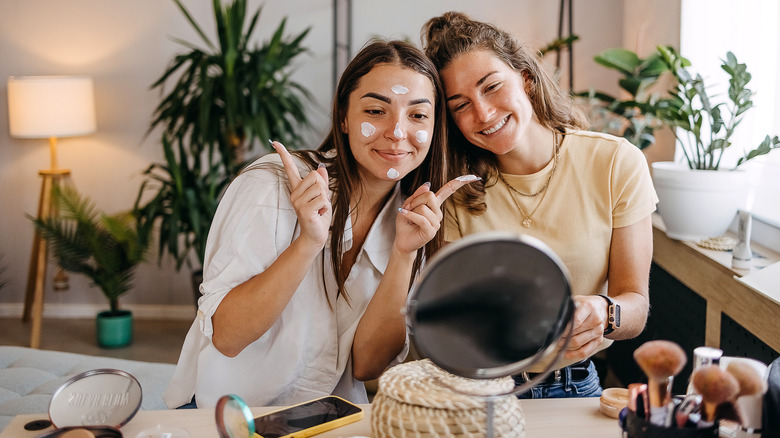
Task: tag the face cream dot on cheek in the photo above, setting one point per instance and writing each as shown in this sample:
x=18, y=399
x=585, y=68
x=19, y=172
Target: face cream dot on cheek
x=421, y=136
x=367, y=129
x=397, y=132
x=392, y=173
x=399, y=89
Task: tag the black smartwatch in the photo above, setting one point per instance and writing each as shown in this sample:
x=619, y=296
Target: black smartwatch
x=613, y=315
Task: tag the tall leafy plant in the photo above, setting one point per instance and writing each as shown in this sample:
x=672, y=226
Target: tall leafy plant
x=633, y=117
x=186, y=194
x=232, y=93
x=105, y=248
x=222, y=99
x=707, y=126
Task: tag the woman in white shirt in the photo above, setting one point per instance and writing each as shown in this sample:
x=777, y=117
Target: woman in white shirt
x=310, y=255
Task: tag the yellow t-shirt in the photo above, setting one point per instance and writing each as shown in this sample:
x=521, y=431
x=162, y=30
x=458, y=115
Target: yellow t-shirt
x=601, y=182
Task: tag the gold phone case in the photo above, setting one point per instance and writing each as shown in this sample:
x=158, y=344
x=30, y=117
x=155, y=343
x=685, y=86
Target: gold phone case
x=311, y=431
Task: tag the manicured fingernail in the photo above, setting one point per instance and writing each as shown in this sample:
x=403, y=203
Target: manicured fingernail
x=321, y=165
x=468, y=178
x=402, y=210
x=427, y=183
x=270, y=141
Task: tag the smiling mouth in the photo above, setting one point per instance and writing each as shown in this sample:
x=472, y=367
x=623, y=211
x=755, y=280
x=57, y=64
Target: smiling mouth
x=394, y=156
x=496, y=127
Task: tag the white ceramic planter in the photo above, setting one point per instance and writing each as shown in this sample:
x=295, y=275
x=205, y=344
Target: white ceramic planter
x=696, y=204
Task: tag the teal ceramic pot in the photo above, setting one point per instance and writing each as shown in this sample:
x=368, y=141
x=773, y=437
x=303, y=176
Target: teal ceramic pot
x=114, y=331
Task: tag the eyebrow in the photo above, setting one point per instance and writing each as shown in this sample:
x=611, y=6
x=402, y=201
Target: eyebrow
x=386, y=99
x=479, y=82
x=419, y=101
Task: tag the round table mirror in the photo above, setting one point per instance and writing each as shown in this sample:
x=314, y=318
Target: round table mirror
x=492, y=305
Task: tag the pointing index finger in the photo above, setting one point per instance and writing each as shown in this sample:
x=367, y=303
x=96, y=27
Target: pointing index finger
x=289, y=164
x=453, y=186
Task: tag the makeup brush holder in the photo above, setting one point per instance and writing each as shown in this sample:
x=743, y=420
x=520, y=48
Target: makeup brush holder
x=637, y=427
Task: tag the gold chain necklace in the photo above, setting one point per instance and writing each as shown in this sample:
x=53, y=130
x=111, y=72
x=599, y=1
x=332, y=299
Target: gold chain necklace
x=527, y=221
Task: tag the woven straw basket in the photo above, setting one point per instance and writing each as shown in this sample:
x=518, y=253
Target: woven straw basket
x=419, y=399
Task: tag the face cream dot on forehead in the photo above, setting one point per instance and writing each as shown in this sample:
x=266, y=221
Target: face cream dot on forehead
x=468, y=178
x=392, y=173
x=397, y=132
x=421, y=136
x=399, y=89
x=367, y=129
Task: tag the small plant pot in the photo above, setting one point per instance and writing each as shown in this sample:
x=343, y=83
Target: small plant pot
x=114, y=330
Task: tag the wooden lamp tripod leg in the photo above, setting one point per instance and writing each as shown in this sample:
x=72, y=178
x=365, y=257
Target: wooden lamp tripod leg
x=36, y=277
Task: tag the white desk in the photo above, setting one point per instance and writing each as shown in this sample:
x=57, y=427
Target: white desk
x=548, y=418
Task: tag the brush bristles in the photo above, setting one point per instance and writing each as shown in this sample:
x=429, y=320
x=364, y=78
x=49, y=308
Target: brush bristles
x=714, y=384
x=660, y=359
x=748, y=379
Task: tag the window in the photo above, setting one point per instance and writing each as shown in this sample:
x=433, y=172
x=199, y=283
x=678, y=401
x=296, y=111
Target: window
x=709, y=29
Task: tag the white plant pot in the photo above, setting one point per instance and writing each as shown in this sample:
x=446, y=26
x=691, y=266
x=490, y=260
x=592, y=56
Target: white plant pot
x=696, y=204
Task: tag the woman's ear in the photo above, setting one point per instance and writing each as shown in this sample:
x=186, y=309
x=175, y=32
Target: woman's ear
x=344, y=129
x=527, y=81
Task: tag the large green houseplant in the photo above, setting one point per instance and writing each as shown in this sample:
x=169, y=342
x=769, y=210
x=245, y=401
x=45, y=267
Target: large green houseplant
x=233, y=93
x=216, y=103
x=105, y=248
x=632, y=117
x=699, y=199
x=706, y=126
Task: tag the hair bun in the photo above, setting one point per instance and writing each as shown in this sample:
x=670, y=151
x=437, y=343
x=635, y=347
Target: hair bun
x=436, y=28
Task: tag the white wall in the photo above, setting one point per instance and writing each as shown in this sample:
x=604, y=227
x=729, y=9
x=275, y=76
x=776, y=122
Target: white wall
x=125, y=45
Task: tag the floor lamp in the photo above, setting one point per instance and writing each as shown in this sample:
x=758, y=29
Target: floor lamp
x=47, y=107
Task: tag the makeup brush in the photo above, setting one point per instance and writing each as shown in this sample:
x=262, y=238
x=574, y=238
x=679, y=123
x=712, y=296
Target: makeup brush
x=661, y=361
x=751, y=389
x=716, y=386
x=704, y=356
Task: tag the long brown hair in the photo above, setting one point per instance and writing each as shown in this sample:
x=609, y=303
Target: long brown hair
x=452, y=34
x=334, y=152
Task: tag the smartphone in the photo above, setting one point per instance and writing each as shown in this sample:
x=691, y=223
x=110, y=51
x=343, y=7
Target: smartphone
x=307, y=419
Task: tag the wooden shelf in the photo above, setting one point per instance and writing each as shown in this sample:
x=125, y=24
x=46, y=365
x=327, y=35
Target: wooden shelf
x=709, y=274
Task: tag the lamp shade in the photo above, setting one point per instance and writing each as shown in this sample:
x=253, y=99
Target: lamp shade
x=51, y=106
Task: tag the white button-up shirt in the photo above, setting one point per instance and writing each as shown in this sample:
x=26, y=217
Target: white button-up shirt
x=307, y=352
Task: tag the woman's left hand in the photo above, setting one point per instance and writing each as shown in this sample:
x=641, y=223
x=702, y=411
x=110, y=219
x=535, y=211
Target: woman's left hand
x=420, y=216
x=590, y=318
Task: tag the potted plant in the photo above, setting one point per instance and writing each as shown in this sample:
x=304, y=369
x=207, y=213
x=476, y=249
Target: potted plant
x=105, y=248
x=634, y=117
x=223, y=99
x=699, y=199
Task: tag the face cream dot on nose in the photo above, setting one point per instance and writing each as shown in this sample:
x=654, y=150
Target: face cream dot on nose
x=399, y=89
x=392, y=173
x=421, y=136
x=397, y=132
x=367, y=129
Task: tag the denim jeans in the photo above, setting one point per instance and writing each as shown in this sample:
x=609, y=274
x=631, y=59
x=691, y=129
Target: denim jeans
x=566, y=388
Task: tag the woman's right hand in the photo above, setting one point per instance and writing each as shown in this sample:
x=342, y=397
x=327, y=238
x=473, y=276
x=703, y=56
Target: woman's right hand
x=421, y=215
x=310, y=198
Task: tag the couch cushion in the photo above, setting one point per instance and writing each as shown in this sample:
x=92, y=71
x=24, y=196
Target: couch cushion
x=29, y=377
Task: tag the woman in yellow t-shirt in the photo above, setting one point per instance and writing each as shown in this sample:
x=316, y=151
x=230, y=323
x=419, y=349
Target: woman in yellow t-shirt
x=587, y=195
